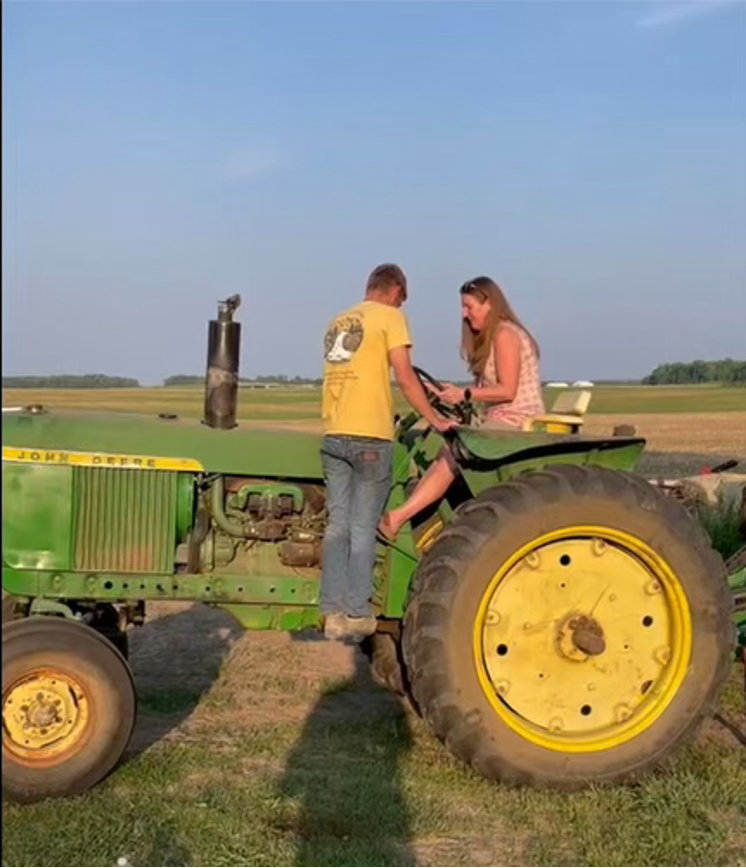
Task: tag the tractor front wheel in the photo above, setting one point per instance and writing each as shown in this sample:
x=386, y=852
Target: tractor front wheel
x=69, y=708
x=567, y=628
x=13, y=608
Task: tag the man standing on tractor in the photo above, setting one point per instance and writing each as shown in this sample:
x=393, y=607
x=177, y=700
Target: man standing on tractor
x=360, y=347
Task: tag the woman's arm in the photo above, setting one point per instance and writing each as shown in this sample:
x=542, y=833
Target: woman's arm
x=507, y=367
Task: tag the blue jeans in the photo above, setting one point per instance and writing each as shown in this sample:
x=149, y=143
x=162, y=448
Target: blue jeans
x=358, y=481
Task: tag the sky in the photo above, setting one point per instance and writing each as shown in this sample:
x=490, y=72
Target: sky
x=161, y=156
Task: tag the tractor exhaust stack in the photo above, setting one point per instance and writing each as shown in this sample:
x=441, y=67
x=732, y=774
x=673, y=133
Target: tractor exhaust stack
x=221, y=380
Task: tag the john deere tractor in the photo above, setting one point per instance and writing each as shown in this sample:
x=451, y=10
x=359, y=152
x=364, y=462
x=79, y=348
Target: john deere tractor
x=555, y=619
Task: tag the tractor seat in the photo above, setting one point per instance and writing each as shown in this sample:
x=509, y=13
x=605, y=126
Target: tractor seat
x=566, y=413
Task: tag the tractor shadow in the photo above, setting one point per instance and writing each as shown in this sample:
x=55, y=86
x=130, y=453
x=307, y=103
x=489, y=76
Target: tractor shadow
x=175, y=658
x=341, y=786
x=342, y=789
x=166, y=848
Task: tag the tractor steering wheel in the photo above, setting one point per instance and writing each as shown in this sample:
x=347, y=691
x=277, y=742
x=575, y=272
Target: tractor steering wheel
x=462, y=412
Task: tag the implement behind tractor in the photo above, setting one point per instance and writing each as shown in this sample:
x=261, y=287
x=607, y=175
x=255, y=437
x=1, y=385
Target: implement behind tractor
x=556, y=618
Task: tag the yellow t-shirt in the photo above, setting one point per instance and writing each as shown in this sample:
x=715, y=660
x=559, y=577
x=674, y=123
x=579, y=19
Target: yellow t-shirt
x=357, y=383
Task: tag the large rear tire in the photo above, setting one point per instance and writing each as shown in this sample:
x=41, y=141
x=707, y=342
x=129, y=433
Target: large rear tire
x=567, y=628
x=69, y=707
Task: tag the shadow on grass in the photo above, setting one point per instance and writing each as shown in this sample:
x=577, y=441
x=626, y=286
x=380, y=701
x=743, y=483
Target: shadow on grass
x=175, y=660
x=341, y=793
x=342, y=787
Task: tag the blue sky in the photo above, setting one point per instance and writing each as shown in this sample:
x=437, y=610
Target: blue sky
x=159, y=156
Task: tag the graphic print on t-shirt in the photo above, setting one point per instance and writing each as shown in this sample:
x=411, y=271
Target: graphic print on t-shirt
x=343, y=339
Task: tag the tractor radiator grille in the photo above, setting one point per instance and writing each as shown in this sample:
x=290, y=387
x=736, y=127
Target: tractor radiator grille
x=125, y=520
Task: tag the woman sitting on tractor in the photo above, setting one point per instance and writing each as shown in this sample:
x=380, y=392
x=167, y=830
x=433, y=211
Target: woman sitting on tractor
x=503, y=357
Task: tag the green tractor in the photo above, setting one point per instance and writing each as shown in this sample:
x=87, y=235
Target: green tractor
x=556, y=620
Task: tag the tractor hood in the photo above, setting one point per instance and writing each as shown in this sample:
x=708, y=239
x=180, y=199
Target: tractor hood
x=58, y=434
x=127, y=439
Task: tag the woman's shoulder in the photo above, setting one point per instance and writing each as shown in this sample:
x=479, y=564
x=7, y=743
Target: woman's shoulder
x=509, y=331
x=513, y=334
x=506, y=326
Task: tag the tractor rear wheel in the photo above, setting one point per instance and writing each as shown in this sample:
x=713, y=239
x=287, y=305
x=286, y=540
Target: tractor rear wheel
x=69, y=708
x=567, y=628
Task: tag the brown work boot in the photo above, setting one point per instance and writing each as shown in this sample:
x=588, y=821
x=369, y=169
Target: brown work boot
x=347, y=628
x=335, y=625
x=358, y=628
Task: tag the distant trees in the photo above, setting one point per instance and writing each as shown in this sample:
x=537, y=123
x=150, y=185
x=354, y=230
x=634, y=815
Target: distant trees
x=285, y=380
x=728, y=371
x=71, y=381
x=184, y=380
x=282, y=379
x=103, y=381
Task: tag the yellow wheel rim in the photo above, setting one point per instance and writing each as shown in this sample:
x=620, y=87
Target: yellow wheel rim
x=582, y=639
x=45, y=715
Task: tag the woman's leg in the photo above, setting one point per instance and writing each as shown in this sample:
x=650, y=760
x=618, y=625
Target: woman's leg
x=430, y=488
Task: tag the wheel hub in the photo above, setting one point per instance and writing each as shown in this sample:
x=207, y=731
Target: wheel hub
x=579, y=637
x=580, y=640
x=44, y=714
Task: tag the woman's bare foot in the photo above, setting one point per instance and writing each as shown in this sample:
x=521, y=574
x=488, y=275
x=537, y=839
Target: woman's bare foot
x=384, y=527
x=390, y=525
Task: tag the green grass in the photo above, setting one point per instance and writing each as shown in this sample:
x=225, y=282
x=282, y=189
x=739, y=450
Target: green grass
x=664, y=399
x=724, y=524
x=168, y=700
x=303, y=404
x=353, y=784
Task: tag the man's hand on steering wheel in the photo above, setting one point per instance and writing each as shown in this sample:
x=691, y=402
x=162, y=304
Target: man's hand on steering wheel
x=443, y=426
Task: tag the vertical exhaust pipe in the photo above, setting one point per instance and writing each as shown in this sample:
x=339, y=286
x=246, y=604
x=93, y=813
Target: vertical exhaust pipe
x=221, y=381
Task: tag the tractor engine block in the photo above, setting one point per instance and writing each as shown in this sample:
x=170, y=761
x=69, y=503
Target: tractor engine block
x=264, y=519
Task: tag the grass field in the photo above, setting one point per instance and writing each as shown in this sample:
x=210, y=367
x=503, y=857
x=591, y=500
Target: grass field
x=297, y=403
x=262, y=749
x=698, y=420
x=279, y=405
x=267, y=749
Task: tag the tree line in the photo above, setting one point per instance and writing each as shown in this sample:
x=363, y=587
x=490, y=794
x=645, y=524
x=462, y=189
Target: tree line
x=727, y=371
x=730, y=371
x=103, y=381
x=71, y=381
x=193, y=380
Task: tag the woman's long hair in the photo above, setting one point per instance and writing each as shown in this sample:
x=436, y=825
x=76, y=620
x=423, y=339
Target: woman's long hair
x=477, y=346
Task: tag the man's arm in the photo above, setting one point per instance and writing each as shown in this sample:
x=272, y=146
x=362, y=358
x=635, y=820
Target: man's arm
x=412, y=388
